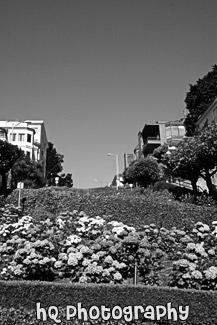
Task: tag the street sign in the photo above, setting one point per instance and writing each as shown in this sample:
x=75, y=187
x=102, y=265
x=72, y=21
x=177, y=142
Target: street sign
x=20, y=185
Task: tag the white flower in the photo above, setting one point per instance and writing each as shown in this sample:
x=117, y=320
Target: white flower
x=197, y=274
x=73, y=239
x=72, y=261
x=108, y=259
x=83, y=279
x=86, y=262
x=211, y=251
x=95, y=257
x=58, y=264
x=117, y=276
x=211, y=273
x=199, y=249
x=191, y=246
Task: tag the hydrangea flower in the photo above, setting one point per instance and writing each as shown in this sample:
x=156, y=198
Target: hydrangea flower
x=86, y=262
x=197, y=274
x=191, y=246
x=27, y=261
x=94, y=269
x=95, y=257
x=72, y=261
x=199, y=249
x=211, y=251
x=84, y=249
x=62, y=256
x=191, y=256
x=108, y=259
x=72, y=239
x=58, y=264
x=83, y=279
x=117, y=276
x=211, y=273
x=105, y=273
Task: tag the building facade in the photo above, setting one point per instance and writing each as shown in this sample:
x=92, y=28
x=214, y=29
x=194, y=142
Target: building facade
x=128, y=159
x=154, y=135
x=208, y=117
x=30, y=136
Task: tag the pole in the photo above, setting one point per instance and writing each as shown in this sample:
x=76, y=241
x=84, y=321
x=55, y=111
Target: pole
x=135, y=273
x=19, y=197
x=117, y=171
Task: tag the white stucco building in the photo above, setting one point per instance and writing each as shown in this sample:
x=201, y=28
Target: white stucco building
x=29, y=135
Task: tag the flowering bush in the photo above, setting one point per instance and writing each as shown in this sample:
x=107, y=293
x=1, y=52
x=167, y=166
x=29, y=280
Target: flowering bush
x=75, y=247
x=197, y=267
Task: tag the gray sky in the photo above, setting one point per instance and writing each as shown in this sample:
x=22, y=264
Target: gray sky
x=97, y=70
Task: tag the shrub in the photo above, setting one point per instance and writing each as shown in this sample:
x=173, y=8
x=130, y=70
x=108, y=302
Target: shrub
x=129, y=207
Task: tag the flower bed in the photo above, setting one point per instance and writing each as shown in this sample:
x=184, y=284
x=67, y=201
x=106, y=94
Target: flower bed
x=74, y=247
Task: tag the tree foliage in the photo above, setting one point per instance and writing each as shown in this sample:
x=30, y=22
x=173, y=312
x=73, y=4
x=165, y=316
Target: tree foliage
x=182, y=162
x=54, y=162
x=66, y=180
x=160, y=151
x=9, y=154
x=28, y=171
x=199, y=97
x=144, y=172
x=196, y=157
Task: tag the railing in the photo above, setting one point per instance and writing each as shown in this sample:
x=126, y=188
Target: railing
x=151, y=138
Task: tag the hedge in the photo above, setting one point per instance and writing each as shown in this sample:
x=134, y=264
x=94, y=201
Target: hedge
x=125, y=206
x=21, y=297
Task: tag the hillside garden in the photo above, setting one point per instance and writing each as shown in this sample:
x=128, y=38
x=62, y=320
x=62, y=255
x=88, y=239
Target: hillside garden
x=102, y=237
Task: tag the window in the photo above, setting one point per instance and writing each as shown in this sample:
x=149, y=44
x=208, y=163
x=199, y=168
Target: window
x=175, y=132
x=29, y=138
x=181, y=131
x=21, y=137
x=168, y=132
x=2, y=135
x=214, y=112
x=28, y=154
x=13, y=136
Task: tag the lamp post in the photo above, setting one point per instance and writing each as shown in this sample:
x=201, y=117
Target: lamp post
x=96, y=180
x=117, y=167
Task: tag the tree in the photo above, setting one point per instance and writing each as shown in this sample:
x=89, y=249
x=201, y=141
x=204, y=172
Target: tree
x=199, y=98
x=66, y=180
x=182, y=162
x=160, y=151
x=28, y=171
x=206, y=142
x=196, y=157
x=9, y=154
x=144, y=172
x=54, y=162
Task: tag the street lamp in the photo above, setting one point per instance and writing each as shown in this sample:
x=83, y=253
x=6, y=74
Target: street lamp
x=117, y=167
x=96, y=180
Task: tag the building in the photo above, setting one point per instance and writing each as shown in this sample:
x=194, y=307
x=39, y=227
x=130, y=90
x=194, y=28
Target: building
x=175, y=131
x=128, y=159
x=154, y=135
x=29, y=135
x=209, y=116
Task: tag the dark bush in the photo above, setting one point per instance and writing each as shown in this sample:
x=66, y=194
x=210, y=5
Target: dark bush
x=176, y=190
x=130, y=207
